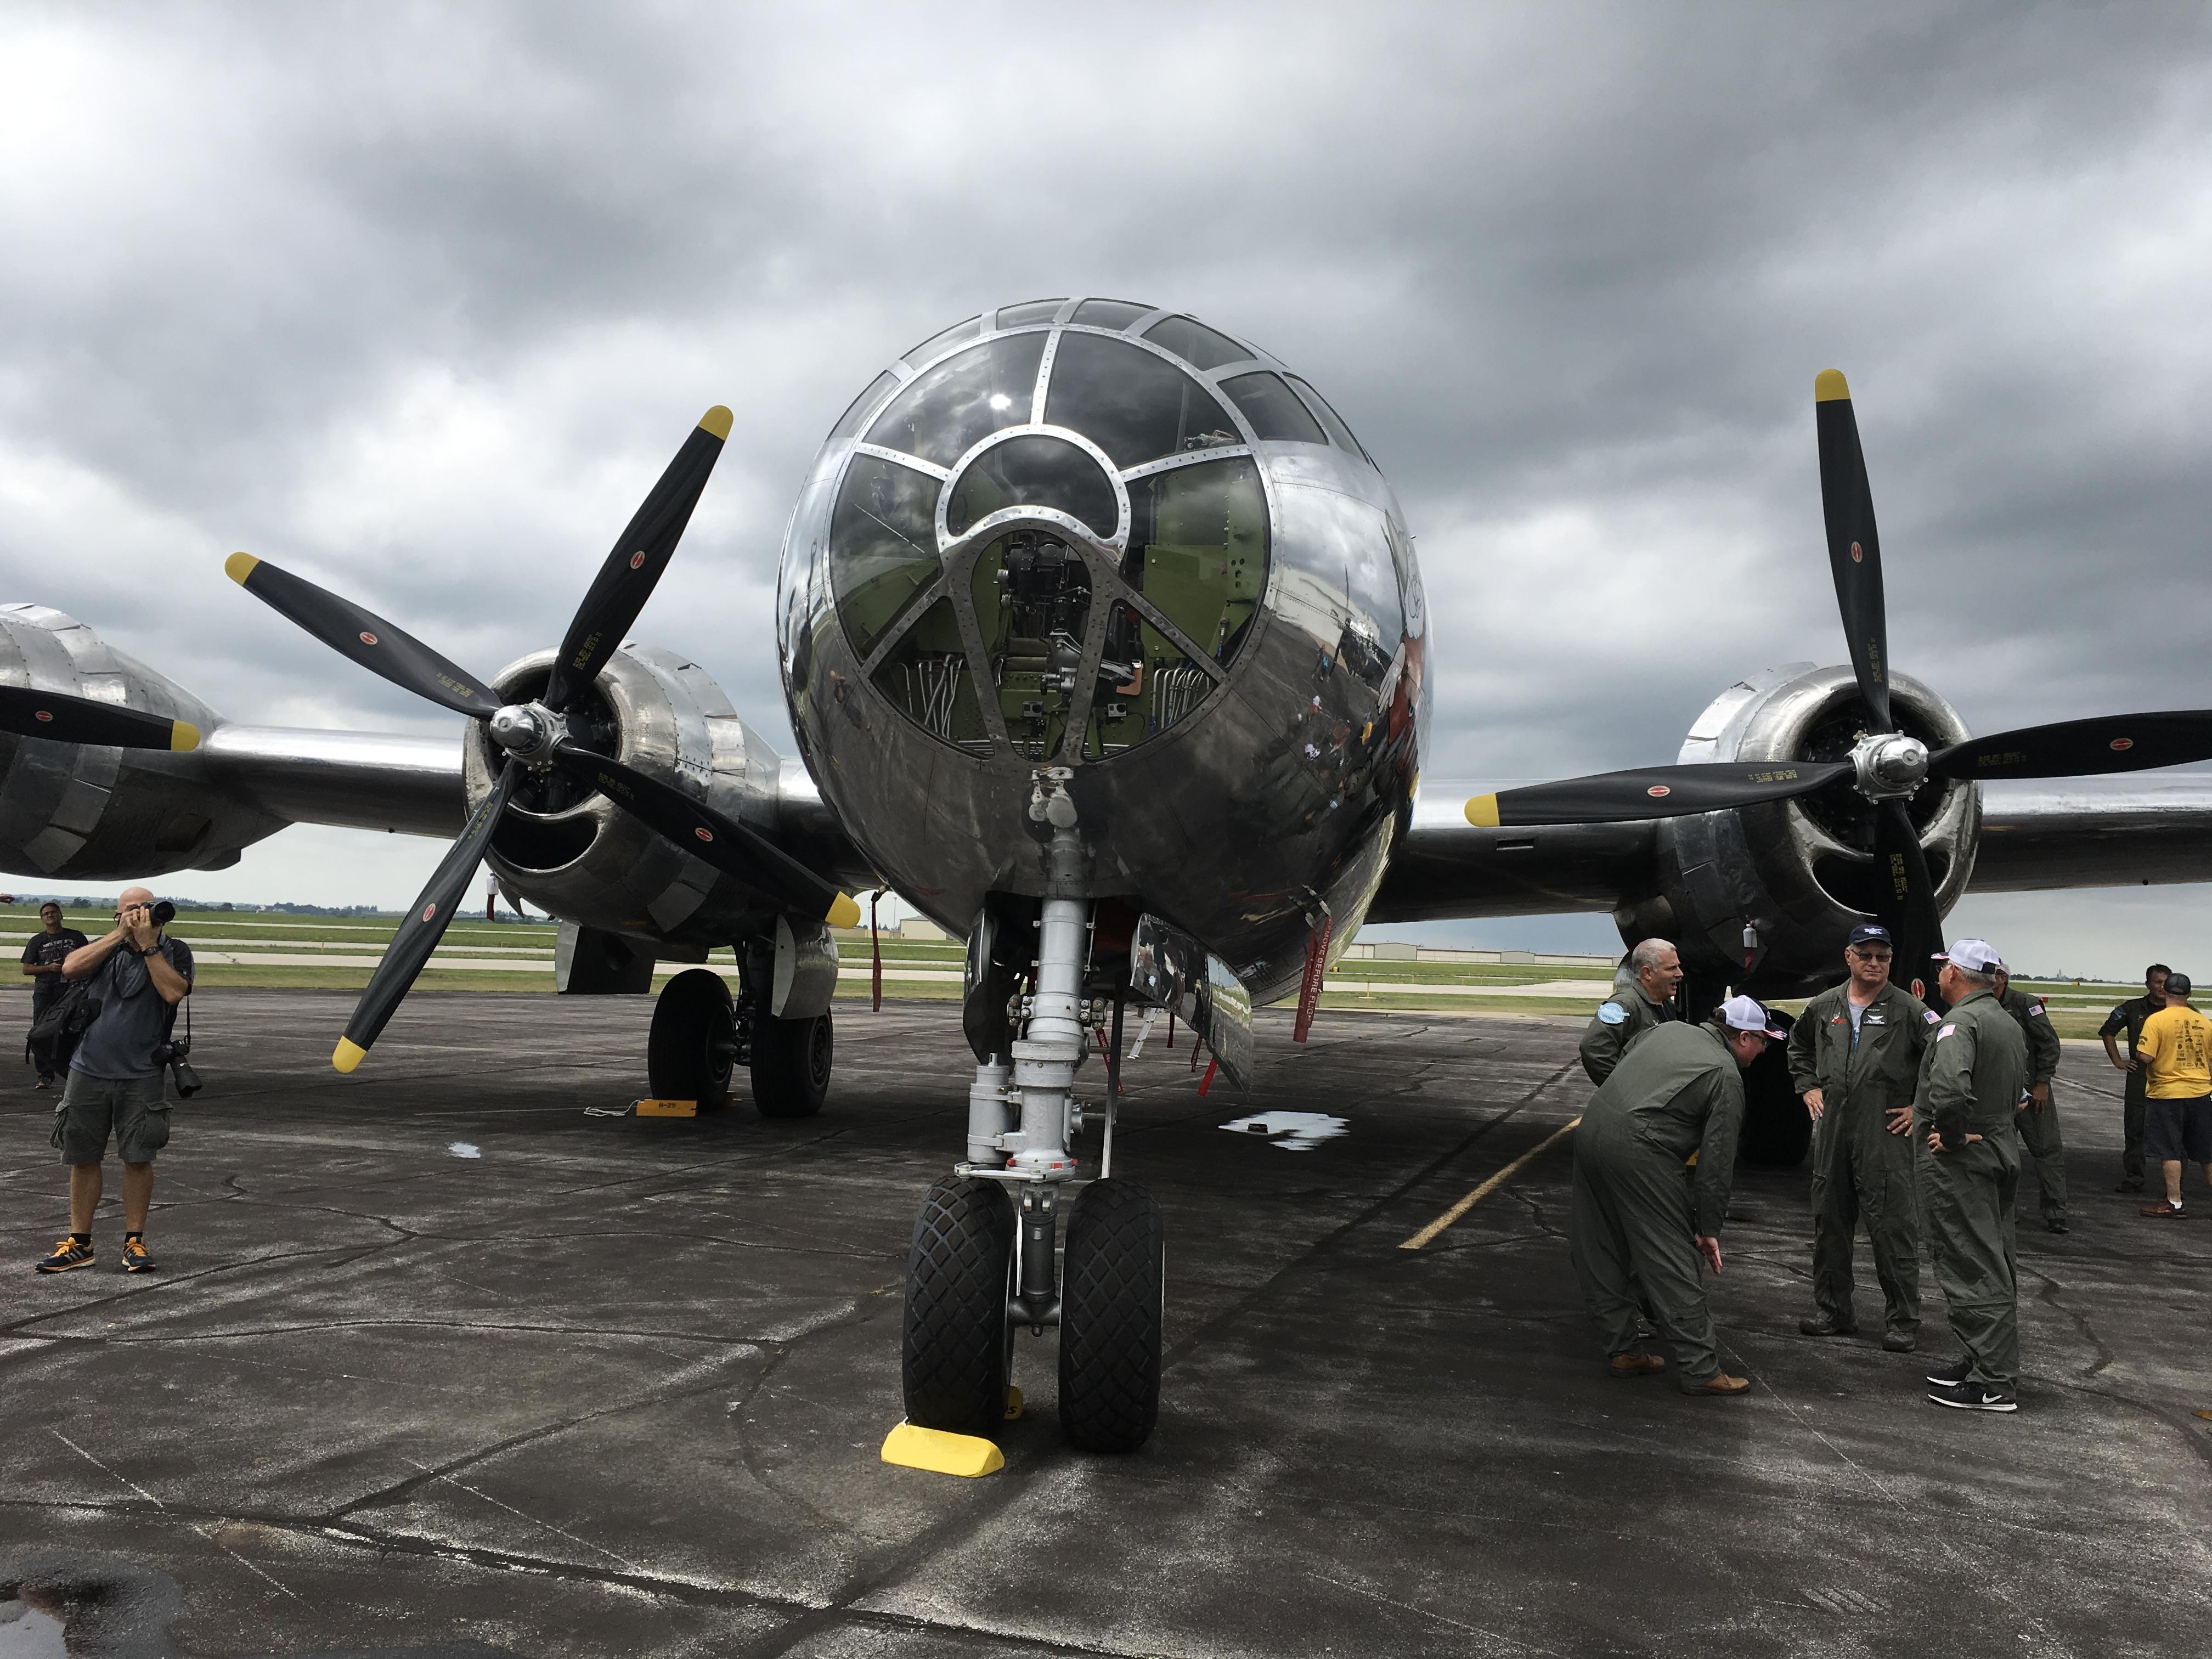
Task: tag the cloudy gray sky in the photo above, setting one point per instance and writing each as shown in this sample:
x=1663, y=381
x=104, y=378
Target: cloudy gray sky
x=418, y=301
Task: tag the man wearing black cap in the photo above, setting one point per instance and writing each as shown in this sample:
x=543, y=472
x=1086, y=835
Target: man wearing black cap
x=1855, y=1056
x=1642, y=1219
x=1970, y=1080
x=2038, y=1117
x=2176, y=1052
x=2128, y=1020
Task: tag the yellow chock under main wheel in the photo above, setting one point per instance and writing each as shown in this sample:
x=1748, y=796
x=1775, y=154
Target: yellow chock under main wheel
x=940, y=1453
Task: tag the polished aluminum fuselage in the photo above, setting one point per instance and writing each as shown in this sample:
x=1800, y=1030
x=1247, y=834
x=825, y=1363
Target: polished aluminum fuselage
x=1279, y=799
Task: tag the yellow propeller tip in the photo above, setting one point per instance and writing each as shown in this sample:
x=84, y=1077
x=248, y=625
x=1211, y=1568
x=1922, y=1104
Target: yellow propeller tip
x=1482, y=811
x=844, y=912
x=718, y=421
x=1829, y=386
x=183, y=735
x=238, y=566
x=347, y=1054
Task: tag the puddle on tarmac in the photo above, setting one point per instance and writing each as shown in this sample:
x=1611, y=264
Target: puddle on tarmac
x=26, y=1633
x=1293, y=1132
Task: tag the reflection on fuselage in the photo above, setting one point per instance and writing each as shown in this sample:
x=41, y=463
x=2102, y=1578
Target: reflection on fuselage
x=1098, y=536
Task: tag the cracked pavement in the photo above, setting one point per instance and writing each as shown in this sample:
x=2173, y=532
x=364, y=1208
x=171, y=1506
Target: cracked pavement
x=616, y=1386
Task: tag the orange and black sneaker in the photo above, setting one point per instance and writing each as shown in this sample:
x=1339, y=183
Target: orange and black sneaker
x=135, y=1258
x=68, y=1253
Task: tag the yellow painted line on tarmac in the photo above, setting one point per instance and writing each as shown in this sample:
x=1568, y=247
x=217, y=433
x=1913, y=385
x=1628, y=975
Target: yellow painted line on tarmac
x=1428, y=1233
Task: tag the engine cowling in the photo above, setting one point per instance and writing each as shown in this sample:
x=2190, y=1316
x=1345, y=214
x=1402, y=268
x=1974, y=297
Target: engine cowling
x=88, y=813
x=573, y=852
x=1798, y=874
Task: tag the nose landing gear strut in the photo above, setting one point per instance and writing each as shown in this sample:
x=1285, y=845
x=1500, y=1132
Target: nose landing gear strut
x=982, y=1261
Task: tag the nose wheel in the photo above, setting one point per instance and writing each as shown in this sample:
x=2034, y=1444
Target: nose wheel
x=1113, y=1312
x=957, y=1360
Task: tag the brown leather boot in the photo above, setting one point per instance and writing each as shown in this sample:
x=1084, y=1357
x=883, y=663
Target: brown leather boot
x=1636, y=1364
x=1720, y=1383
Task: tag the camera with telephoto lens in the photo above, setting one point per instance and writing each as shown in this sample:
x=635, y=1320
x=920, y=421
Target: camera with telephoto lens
x=170, y=1053
x=163, y=913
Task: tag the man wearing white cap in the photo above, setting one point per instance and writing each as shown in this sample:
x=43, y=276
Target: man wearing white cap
x=1643, y=1218
x=1971, y=1079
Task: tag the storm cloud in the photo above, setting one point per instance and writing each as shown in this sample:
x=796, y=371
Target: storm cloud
x=418, y=301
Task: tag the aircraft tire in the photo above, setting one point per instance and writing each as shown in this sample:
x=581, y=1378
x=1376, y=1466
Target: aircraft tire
x=693, y=1043
x=1112, y=1318
x=956, y=1357
x=792, y=1059
x=1776, y=1130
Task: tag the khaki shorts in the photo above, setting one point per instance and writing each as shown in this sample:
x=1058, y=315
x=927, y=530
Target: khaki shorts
x=130, y=1107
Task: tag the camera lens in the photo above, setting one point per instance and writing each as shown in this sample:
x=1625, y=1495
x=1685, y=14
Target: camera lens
x=164, y=914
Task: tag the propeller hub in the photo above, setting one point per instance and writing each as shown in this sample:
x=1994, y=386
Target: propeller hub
x=1891, y=765
x=526, y=730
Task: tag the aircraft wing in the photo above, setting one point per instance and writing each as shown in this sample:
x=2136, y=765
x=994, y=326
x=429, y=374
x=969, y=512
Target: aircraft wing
x=2071, y=833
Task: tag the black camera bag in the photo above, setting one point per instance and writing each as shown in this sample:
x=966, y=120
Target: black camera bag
x=69, y=1015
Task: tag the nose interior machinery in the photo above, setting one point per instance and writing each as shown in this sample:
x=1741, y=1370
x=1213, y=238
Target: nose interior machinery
x=1044, y=543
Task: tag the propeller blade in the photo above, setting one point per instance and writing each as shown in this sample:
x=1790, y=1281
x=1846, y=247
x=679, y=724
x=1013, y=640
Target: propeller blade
x=1854, y=550
x=363, y=636
x=626, y=580
x=36, y=713
x=1653, y=792
x=2080, y=749
x=1908, y=899
x=425, y=925
x=700, y=830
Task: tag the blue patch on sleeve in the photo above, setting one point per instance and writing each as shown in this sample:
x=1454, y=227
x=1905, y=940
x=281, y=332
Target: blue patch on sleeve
x=1612, y=1013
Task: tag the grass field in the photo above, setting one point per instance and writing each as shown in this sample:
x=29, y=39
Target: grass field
x=268, y=950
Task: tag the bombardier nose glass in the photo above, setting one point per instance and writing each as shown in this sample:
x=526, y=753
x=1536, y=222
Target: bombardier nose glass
x=1054, y=540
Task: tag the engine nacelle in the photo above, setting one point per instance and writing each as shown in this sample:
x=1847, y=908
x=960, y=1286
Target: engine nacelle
x=88, y=813
x=571, y=851
x=1798, y=873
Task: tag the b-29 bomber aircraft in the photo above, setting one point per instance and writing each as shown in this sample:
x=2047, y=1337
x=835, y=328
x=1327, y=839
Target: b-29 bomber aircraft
x=1104, y=642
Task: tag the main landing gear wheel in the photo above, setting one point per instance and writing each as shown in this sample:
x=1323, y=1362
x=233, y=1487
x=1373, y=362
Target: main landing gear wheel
x=1112, y=1318
x=694, y=1041
x=791, y=1065
x=958, y=1355
x=1776, y=1128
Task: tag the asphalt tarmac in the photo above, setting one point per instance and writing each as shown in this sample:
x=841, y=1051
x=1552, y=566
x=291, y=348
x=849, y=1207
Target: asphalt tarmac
x=436, y=1359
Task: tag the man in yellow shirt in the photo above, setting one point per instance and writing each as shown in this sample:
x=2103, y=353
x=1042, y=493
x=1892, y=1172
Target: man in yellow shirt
x=2175, y=1050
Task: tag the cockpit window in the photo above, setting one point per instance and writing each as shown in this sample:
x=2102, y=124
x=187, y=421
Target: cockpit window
x=1034, y=471
x=863, y=406
x=1329, y=417
x=938, y=342
x=1196, y=343
x=1198, y=549
x=1036, y=311
x=1134, y=405
x=964, y=400
x=1273, y=409
x=1107, y=313
x=882, y=546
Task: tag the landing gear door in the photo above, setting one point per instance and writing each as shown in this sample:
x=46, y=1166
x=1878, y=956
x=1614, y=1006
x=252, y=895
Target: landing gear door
x=806, y=970
x=1170, y=969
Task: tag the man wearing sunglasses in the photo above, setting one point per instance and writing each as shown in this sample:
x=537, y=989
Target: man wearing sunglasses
x=1855, y=1057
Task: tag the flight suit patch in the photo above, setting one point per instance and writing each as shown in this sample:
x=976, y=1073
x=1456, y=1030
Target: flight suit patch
x=1612, y=1013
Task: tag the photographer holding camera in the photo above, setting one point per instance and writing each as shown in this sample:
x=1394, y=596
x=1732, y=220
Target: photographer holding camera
x=138, y=978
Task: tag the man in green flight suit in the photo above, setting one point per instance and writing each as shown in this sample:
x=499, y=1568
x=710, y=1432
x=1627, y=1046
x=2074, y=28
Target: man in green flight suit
x=2128, y=1018
x=1643, y=1220
x=1971, y=1081
x=1643, y=997
x=2038, y=1118
x=1855, y=1056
